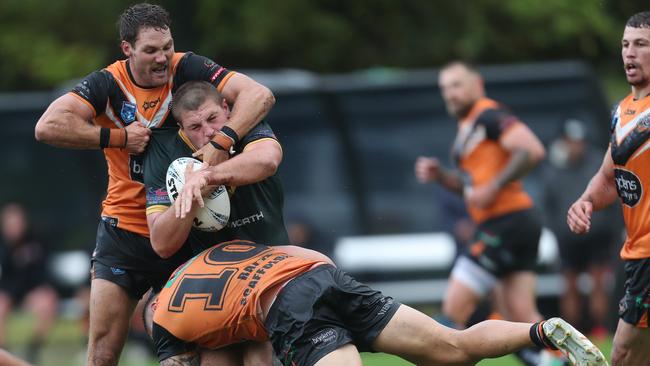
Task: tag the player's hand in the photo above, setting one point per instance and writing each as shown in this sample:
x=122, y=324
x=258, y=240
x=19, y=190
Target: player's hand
x=481, y=196
x=211, y=155
x=427, y=169
x=579, y=216
x=195, y=182
x=137, y=137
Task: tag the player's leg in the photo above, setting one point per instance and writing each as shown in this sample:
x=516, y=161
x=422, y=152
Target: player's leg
x=43, y=303
x=631, y=345
x=347, y=355
x=570, y=299
x=5, y=309
x=468, y=284
x=110, y=313
x=519, y=295
x=7, y=359
x=419, y=339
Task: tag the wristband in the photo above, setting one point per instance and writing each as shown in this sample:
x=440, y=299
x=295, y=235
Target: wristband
x=104, y=137
x=229, y=132
x=112, y=137
x=221, y=142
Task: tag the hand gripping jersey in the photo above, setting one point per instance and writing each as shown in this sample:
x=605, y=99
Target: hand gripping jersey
x=117, y=101
x=214, y=299
x=629, y=149
x=478, y=153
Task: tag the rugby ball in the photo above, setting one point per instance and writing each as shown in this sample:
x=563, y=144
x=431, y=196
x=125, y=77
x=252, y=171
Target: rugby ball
x=216, y=212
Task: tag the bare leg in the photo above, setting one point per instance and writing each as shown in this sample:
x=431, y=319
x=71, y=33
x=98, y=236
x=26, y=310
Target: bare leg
x=43, y=303
x=7, y=359
x=5, y=309
x=347, y=355
x=570, y=300
x=631, y=345
x=519, y=293
x=460, y=302
x=598, y=299
x=421, y=340
x=110, y=313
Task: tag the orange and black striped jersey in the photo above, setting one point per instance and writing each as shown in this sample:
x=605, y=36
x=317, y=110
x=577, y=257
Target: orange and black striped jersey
x=213, y=300
x=629, y=145
x=481, y=157
x=116, y=101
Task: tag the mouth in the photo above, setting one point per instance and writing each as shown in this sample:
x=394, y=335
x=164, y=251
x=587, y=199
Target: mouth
x=630, y=69
x=159, y=71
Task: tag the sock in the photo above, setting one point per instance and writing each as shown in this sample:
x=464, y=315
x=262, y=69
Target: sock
x=539, y=338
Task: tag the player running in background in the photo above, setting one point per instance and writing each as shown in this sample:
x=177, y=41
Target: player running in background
x=625, y=174
x=114, y=109
x=493, y=150
x=314, y=313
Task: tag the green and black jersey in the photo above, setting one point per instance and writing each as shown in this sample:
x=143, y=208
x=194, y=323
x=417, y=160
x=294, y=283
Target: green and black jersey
x=255, y=209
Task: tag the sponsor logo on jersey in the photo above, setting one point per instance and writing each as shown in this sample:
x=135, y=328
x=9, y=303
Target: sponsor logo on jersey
x=128, y=112
x=157, y=196
x=247, y=220
x=136, y=168
x=628, y=186
x=629, y=112
x=150, y=104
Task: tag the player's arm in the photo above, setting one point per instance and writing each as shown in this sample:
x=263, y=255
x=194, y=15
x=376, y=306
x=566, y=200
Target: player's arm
x=68, y=123
x=167, y=232
x=186, y=359
x=429, y=169
x=526, y=151
x=259, y=160
x=600, y=193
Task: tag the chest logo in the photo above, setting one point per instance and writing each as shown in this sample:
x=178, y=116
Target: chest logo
x=128, y=112
x=628, y=186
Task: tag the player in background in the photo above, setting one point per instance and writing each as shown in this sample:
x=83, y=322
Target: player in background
x=624, y=175
x=114, y=109
x=492, y=151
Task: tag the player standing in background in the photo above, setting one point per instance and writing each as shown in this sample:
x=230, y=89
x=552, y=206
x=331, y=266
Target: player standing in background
x=114, y=109
x=625, y=174
x=493, y=150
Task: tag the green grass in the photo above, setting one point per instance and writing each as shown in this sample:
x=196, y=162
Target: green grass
x=66, y=347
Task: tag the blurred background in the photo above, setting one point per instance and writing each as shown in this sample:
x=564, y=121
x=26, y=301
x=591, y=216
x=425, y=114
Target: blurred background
x=357, y=102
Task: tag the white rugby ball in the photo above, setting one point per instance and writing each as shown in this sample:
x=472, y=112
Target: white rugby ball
x=216, y=212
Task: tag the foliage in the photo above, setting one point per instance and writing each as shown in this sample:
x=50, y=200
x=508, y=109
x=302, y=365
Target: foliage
x=43, y=43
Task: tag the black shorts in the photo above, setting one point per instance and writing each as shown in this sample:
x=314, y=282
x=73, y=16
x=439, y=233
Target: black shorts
x=579, y=252
x=633, y=307
x=508, y=243
x=127, y=259
x=322, y=310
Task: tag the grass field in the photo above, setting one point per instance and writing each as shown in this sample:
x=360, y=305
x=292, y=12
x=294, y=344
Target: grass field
x=66, y=347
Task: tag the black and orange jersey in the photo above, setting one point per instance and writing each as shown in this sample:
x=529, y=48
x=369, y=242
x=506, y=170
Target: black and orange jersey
x=213, y=300
x=116, y=101
x=256, y=210
x=481, y=157
x=629, y=150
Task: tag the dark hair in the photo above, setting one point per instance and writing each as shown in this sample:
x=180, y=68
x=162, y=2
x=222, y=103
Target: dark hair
x=141, y=15
x=639, y=20
x=466, y=64
x=191, y=95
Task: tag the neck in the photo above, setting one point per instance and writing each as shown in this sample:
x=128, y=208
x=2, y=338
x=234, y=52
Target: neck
x=640, y=92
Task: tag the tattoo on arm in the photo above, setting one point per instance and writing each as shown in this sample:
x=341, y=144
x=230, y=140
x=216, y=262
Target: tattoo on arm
x=518, y=165
x=186, y=359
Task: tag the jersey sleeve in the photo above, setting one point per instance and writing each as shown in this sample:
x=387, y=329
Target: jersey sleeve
x=94, y=89
x=155, y=164
x=195, y=67
x=167, y=345
x=496, y=122
x=261, y=131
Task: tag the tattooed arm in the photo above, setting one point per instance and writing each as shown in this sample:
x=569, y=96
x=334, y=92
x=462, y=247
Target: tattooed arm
x=186, y=359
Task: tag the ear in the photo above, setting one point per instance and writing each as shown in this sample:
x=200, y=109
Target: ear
x=224, y=106
x=126, y=47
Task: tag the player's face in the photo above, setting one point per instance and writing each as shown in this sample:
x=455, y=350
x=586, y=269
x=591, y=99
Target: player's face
x=150, y=56
x=460, y=88
x=635, y=49
x=202, y=124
